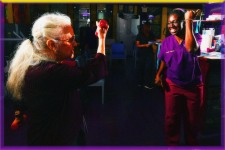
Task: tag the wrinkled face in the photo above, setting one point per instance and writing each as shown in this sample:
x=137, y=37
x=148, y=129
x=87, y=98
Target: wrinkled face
x=175, y=25
x=65, y=44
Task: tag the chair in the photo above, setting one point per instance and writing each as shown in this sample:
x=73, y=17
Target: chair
x=108, y=43
x=101, y=83
x=118, y=52
x=82, y=60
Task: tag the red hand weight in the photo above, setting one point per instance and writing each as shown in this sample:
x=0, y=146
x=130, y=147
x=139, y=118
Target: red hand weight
x=102, y=24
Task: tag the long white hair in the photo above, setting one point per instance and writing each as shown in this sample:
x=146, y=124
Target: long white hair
x=32, y=51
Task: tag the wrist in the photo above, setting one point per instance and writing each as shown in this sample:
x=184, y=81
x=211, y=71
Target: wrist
x=157, y=75
x=188, y=20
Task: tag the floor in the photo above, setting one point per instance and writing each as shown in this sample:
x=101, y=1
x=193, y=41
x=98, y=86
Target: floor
x=130, y=116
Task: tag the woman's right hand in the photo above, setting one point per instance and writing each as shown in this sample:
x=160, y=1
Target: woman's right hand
x=158, y=80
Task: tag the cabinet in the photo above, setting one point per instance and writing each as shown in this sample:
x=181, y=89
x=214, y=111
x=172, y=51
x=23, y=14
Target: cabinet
x=212, y=78
x=212, y=129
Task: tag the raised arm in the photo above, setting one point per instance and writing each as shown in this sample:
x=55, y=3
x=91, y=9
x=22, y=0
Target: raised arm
x=101, y=38
x=190, y=41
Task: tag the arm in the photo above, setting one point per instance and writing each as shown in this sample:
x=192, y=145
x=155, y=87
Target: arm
x=138, y=44
x=101, y=41
x=70, y=75
x=75, y=76
x=158, y=80
x=190, y=41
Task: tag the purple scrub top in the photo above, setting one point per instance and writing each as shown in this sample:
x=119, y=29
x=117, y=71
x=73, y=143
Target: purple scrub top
x=182, y=67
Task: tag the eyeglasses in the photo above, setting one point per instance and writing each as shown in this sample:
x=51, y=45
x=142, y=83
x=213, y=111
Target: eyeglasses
x=70, y=40
x=175, y=22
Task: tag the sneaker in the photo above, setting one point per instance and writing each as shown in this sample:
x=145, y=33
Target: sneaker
x=148, y=87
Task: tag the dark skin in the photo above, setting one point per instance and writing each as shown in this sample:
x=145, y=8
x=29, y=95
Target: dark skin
x=146, y=29
x=182, y=30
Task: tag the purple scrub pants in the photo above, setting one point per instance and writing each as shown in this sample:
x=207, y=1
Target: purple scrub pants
x=183, y=105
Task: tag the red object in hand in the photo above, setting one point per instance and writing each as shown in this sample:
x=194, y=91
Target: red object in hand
x=17, y=122
x=102, y=24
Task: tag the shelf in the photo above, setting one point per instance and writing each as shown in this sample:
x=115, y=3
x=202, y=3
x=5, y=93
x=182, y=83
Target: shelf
x=216, y=24
x=209, y=21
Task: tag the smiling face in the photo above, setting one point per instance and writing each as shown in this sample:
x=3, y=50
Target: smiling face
x=175, y=25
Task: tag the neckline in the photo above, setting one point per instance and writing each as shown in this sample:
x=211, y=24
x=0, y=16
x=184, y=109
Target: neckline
x=181, y=42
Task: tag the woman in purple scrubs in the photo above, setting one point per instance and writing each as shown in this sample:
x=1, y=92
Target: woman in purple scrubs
x=183, y=92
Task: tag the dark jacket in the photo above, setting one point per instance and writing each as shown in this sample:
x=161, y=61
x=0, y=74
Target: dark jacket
x=51, y=96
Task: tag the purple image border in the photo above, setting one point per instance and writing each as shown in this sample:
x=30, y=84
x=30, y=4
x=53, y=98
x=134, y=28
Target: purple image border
x=1, y=74
x=96, y=147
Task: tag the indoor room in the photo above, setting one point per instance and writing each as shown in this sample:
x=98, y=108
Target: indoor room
x=125, y=106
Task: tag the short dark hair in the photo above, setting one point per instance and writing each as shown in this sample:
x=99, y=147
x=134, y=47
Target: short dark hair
x=179, y=12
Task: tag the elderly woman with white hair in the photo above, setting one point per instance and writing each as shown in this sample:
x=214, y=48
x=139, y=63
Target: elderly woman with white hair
x=41, y=76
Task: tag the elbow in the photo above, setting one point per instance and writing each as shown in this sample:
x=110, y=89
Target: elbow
x=191, y=49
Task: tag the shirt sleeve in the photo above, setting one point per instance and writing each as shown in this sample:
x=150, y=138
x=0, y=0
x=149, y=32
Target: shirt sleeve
x=75, y=77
